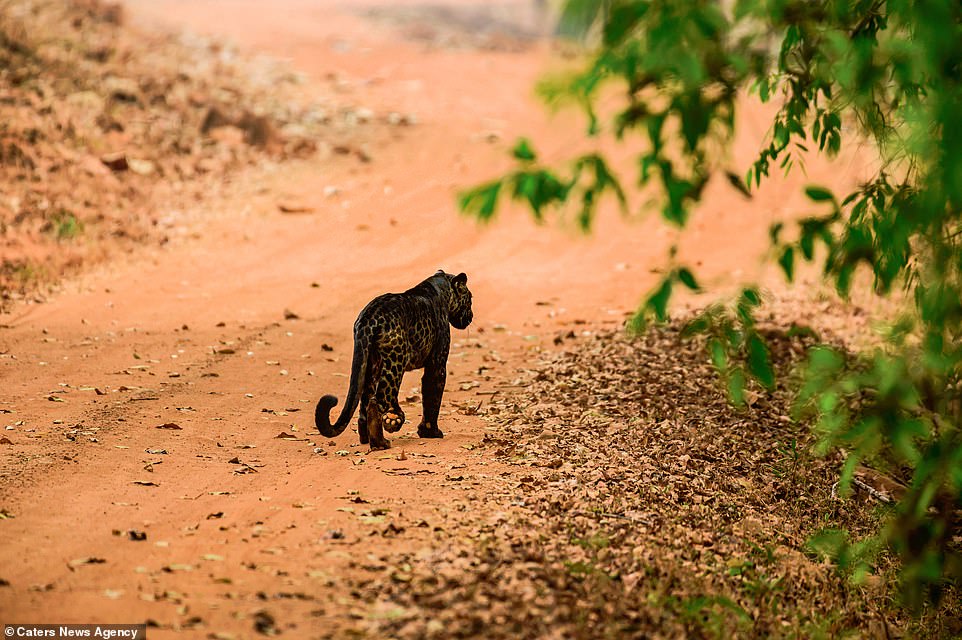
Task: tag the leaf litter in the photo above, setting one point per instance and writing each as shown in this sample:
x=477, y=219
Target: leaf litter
x=638, y=503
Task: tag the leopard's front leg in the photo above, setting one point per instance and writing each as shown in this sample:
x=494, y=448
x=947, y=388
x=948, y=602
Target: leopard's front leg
x=432, y=389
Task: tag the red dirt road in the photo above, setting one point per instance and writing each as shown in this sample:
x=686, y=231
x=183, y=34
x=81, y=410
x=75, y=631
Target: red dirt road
x=227, y=540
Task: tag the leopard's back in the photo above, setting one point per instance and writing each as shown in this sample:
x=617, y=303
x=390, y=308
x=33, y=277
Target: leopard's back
x=405, y=328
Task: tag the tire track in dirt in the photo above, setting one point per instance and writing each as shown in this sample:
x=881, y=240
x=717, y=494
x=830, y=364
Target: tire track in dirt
x=114, y=403
x=196, y=480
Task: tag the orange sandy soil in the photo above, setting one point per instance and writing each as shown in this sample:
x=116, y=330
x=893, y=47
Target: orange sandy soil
x=195, y=334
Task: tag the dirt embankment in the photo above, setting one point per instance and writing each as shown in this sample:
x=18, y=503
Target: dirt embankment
x=108, y=132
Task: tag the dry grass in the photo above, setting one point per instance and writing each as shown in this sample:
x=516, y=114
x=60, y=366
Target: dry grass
x=95, y=116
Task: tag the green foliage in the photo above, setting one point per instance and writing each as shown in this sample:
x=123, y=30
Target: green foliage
x=852, y=559
x=593, y=542
x=737, y=349
x=64, y=225
x=787, y=465
x=656, y=304
x=588, y=179
x=22, y=274
x=715, y=616
x=886, y=72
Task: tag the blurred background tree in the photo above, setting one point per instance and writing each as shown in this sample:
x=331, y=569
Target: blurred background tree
x=889, y=72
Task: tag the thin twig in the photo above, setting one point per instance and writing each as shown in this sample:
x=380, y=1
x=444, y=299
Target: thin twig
x=603, y=514
x=872, y=491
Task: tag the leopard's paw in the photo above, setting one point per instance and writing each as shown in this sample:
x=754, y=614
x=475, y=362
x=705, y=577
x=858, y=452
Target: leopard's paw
x=429, y=431
x=392, y=420
x=380, y=445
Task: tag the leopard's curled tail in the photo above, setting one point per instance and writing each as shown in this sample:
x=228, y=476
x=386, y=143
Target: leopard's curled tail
x=322, y=413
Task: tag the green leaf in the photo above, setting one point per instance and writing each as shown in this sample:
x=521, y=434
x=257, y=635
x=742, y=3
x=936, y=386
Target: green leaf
x=848, y=472
x=523, y=151
x=775, y=232
x=657, y=302
x=687, y=279
x=787, y=262
x=638, y=322
x=819, y=194
x=736, y=182
x=699, y=324
x=578, y=17
x=624, y=16
x=825, y=360
x=719, y=356
x=750, y=297
x=829, y=543
x=736, y=387
x=759, y=361
x=481, y=201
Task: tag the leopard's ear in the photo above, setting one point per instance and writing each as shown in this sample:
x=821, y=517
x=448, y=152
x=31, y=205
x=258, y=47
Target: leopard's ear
x=461, y=278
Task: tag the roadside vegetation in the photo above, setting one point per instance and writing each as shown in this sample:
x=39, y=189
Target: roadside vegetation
x=639, y=503
x=883, y=75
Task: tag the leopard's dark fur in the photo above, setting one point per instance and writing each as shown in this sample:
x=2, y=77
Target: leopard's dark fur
x=394, y=333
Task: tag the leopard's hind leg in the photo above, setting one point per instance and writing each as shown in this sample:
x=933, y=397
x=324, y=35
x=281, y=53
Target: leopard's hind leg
x=367, y=399
x=392, y=418
x=374, y=429
x=362, y=430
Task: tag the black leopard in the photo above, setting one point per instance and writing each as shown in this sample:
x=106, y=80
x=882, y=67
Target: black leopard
x=394, y=333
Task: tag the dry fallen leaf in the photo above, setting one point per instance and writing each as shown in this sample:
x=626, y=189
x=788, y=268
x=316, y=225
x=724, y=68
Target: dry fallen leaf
x=264, y=623
x=171, y=568
x=115, y=161
x=289, y=207
x=87, y=560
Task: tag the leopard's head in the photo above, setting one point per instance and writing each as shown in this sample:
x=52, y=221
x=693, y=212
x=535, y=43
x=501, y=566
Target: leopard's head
x=459, y=311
